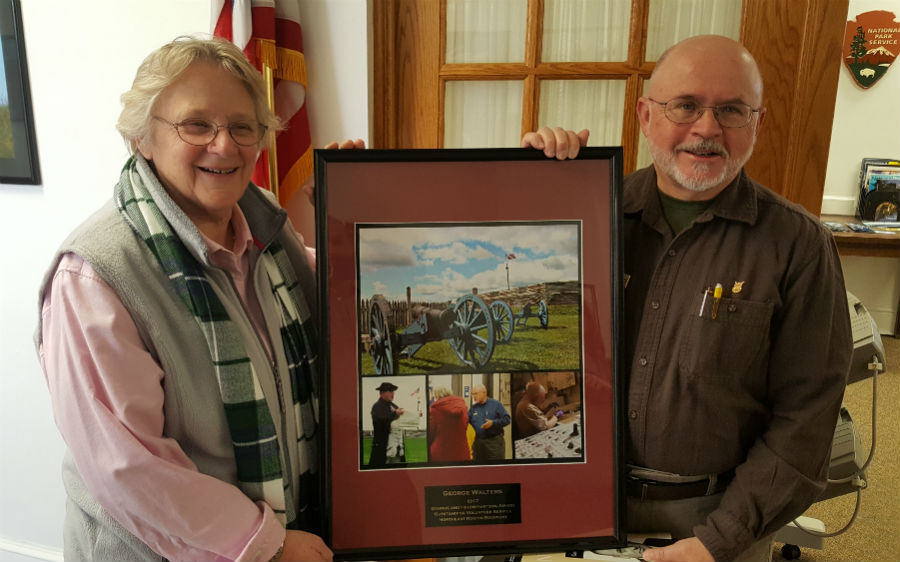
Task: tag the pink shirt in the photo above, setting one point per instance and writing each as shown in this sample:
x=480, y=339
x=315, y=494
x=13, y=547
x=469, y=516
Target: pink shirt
x=113, y=424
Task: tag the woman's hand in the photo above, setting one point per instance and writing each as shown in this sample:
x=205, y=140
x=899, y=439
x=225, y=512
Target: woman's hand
x=308, y=186
x=344, y=145
x=301, y=546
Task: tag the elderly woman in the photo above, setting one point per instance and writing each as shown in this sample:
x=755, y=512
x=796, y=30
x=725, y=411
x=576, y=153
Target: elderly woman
x=448, y=420
x=177, y=335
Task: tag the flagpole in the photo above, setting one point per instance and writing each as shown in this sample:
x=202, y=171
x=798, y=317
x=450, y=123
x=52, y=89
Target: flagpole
x=268, y=75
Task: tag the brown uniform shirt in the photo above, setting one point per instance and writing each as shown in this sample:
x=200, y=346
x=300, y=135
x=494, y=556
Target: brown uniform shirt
x=756, y=389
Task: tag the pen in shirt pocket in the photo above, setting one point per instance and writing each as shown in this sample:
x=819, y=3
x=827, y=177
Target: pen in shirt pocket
x=717, y=296
x=706, y=293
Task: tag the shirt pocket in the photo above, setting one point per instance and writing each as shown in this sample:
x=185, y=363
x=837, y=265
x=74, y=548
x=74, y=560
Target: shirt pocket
x=725, y=348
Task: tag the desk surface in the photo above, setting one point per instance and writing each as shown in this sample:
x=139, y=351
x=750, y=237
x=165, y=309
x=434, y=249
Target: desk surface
x=863, y=244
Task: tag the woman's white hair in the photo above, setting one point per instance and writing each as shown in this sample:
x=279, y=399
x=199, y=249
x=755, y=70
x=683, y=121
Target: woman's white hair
x=164, y=65
x=441, y=392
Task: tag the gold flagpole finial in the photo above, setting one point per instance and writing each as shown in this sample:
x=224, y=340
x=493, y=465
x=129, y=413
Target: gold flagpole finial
x=268, y=75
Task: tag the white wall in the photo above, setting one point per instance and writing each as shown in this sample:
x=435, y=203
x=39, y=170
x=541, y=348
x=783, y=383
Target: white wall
x=81, y=57
x=866, y=125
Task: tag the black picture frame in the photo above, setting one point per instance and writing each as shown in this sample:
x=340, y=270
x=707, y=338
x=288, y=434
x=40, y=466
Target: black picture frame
x=18, y=149
x=367, y=200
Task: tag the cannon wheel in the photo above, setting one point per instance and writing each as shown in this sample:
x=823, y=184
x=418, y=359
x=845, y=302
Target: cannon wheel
x=543, y=314
x=504, y=323
x=381, y=344
x=473, y=331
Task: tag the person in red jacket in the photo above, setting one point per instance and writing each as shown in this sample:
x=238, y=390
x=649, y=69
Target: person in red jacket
x=448, y=420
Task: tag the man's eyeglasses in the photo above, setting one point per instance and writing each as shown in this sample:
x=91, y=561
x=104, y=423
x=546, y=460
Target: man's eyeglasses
x=198, y=132
x=686, y=110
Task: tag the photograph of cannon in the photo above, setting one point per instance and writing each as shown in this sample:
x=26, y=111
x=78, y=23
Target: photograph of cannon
x=472, y=327
x=446, y=298
x=542, y=315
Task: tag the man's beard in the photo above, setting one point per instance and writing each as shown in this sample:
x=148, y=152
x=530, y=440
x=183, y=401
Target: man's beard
x=666, y=162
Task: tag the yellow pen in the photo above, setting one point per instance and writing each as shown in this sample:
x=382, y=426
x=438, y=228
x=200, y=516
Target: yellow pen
x=717, y=296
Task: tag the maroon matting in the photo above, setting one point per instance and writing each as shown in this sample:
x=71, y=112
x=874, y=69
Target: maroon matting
x=566, y=504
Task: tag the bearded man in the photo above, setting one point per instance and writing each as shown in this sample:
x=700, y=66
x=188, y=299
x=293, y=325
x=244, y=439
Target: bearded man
x=737, y=334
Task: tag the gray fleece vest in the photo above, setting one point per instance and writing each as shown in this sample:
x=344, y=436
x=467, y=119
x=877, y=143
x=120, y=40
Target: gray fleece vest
x=194, y=415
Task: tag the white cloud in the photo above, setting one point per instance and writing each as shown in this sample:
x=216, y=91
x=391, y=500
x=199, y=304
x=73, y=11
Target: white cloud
x=544, y=253
x=374, y=255
x=450, y=285
x=456, y=252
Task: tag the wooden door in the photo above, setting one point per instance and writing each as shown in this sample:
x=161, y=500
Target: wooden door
x=797, y=44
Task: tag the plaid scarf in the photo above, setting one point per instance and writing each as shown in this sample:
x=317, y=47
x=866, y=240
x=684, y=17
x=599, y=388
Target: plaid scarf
x=253, y=433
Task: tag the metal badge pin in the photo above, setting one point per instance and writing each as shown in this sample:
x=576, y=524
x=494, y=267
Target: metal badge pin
x=737, y=287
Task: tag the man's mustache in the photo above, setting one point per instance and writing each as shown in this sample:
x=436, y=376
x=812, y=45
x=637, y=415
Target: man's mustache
x=706, y=146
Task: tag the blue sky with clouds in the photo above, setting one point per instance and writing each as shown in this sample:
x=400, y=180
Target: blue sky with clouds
x=442, y=263
x=4, y=96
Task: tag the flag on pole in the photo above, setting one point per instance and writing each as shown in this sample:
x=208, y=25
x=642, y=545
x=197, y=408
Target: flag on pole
x=510, y=256
x=268, y=31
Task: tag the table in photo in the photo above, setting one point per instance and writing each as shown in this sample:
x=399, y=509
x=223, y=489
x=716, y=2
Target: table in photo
x=564, y=440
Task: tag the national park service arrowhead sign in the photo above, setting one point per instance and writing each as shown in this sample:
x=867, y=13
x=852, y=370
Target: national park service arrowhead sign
x=871, y=43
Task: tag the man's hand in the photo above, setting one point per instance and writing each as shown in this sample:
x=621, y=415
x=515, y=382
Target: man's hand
x=300, y=545
x=557, y=142
x=685, y=550
x=400, y=411
x=487, y=424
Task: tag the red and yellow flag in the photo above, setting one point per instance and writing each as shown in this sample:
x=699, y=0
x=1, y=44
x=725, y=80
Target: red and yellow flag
x=268, y=31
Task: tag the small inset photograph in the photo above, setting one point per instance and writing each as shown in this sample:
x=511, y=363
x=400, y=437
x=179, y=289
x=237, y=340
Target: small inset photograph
x=393, y=421
x=448, y=420
x=469, y=298
x=469, y=418
x=547, y=415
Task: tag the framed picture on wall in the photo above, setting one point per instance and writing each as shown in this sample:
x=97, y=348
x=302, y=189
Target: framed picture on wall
x=471, y=351
x=18, y=151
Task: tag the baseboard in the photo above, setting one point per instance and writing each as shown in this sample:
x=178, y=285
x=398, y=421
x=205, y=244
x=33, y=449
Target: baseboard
x=21, y=551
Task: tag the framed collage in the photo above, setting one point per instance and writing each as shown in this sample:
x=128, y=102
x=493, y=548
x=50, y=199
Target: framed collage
x=18, y=148
x=470, y=349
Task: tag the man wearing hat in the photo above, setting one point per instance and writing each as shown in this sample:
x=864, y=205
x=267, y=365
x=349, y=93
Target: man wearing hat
x=383, y=413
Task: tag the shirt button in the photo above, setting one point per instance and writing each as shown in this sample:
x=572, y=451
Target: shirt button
x=642, y=361
x=672, y=253
x=654, y=305
x=633, y=414
x=731, y=308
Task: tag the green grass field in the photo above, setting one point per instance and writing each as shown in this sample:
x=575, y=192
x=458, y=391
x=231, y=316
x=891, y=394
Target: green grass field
x=7, y=150
x=531, y=348
x=416, y=449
